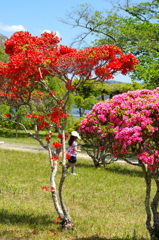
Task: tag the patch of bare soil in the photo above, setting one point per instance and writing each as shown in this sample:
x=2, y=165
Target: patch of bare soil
x=30, y=148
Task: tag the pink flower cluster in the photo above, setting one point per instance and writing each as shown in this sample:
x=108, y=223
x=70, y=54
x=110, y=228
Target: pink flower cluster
x=129, y=120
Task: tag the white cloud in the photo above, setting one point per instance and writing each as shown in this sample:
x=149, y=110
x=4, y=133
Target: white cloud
x=48, y=31
x=12, y=28
x=56, y=32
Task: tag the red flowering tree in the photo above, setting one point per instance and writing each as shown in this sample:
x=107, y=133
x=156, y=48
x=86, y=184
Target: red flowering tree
x=130, y=122
x=33, y=58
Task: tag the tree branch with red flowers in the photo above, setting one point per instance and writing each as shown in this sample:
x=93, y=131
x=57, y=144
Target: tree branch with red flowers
x=24, y=84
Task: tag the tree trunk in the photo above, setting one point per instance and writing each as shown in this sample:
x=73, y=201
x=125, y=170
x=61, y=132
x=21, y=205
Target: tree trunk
x=66, y=221
x=151, y=208
x=16, y=130
x=154, y=206
x=54, y=194
x=53, y=165
x=59, y=207
x=148, y=178
x=80, y=112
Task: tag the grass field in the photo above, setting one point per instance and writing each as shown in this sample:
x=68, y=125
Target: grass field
x=9, y=136
x=104, y=204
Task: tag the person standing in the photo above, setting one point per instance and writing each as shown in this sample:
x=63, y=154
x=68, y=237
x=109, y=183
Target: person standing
x=73, y=150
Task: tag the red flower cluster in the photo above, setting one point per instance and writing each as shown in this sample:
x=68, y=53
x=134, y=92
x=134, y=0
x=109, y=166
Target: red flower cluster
x=53, y=233
x=55, y=157
x=7, y=115
x=48, y=188
x=53, y=92
x=60, y=136
x=57, y=145
x=70, y=87
x=68, y=156
x=56, y=222
x=32, y=58
x=48, y=137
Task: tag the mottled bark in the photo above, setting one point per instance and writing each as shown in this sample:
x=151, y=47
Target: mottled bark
x=148, y=179
x=54, y=194
x=66, y=220
x=53, y=185
x=154, y=206
x=152, y=221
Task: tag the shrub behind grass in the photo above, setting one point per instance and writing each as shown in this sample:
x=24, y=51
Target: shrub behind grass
x=104, y=204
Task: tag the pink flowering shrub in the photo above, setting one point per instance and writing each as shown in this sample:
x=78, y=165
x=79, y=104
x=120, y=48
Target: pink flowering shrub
x=130, y=123
x=95, y=131
x=125, y=122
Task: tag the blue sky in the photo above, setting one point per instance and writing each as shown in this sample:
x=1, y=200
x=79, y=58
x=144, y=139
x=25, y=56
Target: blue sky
x=36, y=16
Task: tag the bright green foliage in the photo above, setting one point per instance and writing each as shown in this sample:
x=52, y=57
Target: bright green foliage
x=89, y=94
x=3, y=55
x=86, y=96
x=118, y=88
x=133, y=28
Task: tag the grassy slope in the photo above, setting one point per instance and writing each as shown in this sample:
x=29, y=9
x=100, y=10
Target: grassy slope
x=104, y=204
x=9, y=136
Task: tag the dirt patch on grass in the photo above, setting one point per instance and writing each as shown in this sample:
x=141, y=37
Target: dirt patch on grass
x=30, y=148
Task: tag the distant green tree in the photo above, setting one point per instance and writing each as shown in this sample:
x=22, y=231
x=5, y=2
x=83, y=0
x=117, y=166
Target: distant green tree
x=3, y=55
x=132, y=27
x=118, y=88
x=85, y=97
x=89, y=94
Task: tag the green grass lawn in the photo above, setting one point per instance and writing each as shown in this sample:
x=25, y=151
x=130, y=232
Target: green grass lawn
x=104, y=204
x=9, y=136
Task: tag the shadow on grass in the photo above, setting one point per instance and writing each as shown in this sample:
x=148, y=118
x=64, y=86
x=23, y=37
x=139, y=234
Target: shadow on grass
x=115, y=168
x=10, y=218
x=85, y=165
x=42, y=220
x=11, y=133
x=114, y=238
x=124, y=170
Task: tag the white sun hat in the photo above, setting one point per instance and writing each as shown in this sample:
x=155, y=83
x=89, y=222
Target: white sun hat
x=75, y=134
